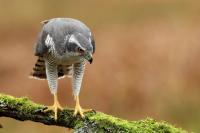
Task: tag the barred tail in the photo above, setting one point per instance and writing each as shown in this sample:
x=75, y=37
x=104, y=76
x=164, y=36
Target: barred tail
x=39, y=70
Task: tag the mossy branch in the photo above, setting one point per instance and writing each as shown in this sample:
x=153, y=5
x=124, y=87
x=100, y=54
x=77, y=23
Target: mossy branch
x=23, y=109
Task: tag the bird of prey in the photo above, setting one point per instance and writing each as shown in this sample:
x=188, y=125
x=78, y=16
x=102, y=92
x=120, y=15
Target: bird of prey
x=63, y=47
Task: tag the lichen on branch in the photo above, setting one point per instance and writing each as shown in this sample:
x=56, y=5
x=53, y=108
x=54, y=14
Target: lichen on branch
x=23, y=109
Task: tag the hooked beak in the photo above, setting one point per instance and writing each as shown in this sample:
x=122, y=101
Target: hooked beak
x=89, y=58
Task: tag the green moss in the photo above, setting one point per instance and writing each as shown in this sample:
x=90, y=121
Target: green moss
x=78, y=124
x=143, y=126
x=24, y=109
x=24, y=104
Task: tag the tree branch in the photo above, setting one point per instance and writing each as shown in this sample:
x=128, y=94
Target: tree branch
x=23, y=109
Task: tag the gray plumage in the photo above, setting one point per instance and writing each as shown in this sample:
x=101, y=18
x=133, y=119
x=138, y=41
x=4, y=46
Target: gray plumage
x=63, y=46
x=58, y=29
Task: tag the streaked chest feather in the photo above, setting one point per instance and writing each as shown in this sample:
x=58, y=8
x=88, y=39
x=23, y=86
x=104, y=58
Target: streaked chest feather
x=68, y=60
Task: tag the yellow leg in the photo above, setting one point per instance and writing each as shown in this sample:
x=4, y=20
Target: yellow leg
x=55, y=107
x=78, y=108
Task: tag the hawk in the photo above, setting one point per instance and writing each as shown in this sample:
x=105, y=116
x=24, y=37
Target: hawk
x=63, y=47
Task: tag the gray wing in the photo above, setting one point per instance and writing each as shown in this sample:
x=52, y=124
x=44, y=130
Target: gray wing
x=58, y=29
x=40, y=47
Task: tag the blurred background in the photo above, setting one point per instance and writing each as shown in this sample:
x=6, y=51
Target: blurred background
x=146, y=62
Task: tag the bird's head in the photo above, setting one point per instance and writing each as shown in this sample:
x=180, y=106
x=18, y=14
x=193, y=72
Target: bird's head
x=80, y=46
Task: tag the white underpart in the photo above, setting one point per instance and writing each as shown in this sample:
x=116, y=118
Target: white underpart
x=52, y=74
x=77, y=76
x=51, y=66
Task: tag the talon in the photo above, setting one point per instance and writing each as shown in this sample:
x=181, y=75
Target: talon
x=78, y=109
x=54, y=108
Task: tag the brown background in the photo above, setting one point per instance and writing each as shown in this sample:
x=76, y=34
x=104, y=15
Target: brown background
x=146, y=63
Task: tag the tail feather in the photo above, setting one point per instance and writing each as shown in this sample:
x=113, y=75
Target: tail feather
x=39, y=70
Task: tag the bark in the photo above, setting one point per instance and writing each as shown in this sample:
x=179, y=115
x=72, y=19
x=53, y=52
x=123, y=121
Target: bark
x=23, y=109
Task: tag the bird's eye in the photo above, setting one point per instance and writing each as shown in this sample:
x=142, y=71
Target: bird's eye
x=80, y=50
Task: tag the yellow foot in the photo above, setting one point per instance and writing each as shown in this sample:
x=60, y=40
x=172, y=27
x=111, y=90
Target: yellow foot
x=55, y=107
x=79, y=110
